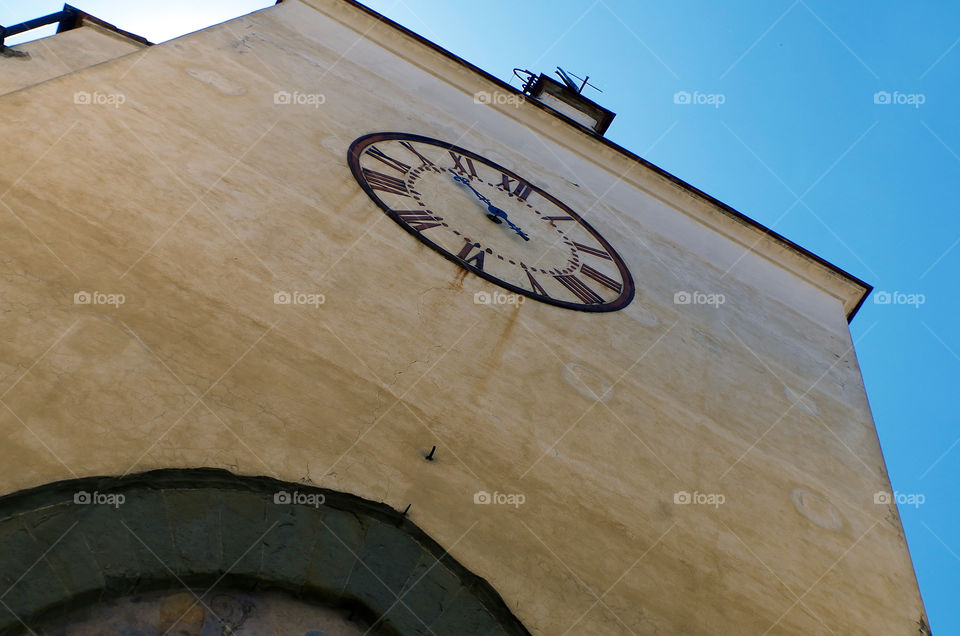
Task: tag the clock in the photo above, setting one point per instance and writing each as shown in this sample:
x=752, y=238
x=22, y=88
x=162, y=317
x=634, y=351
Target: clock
x=491, y=221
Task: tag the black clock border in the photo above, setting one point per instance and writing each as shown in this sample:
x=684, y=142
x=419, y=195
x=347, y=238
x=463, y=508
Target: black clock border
x=360, y=144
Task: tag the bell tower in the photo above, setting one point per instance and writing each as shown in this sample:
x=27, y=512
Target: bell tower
x=312, y=327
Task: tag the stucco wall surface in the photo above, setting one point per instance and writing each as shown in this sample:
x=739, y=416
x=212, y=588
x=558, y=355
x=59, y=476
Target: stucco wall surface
x=40, y=60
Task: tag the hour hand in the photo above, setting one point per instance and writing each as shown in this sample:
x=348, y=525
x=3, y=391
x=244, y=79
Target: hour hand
x=519, y=232
x=497, y=212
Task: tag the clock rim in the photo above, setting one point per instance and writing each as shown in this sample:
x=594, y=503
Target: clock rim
x=353, y=160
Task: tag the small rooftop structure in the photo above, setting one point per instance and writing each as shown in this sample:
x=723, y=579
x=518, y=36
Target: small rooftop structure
x=66, y=19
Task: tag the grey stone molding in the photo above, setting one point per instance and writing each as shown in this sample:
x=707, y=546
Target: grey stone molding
x=69, y=544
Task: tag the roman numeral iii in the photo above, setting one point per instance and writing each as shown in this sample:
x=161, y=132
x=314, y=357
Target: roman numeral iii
x=385, y=182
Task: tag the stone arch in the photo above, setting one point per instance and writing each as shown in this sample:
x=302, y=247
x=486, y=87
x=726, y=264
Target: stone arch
x=165, y=529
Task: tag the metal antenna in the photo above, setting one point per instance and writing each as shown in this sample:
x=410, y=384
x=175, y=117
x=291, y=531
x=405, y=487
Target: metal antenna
x=566, y=80
x=566, y=77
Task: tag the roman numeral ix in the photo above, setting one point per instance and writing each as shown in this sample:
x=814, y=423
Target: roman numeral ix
x=409, y=146
x=375, y=152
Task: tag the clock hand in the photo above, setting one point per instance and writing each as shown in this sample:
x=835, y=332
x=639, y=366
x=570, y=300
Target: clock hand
x=503, y=215
x=492, y=216
x=495, y=213
x=519, y=232
x=466, y=182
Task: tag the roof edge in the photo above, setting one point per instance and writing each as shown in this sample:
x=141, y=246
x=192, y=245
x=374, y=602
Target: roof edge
x=83, y=17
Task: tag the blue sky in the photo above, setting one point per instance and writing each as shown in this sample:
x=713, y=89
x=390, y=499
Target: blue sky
x=800, y=143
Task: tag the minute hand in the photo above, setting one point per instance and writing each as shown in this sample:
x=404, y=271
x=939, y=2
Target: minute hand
x=466, y=182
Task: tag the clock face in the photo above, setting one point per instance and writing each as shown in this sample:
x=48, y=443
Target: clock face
x=491, y=221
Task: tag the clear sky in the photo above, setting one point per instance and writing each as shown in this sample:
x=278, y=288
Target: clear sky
x=838, y=128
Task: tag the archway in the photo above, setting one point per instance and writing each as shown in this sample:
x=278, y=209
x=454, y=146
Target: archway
x=150, y=537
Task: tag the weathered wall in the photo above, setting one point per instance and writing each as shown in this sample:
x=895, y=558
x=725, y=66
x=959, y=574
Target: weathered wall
x=199, y=197
x=39, y=60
